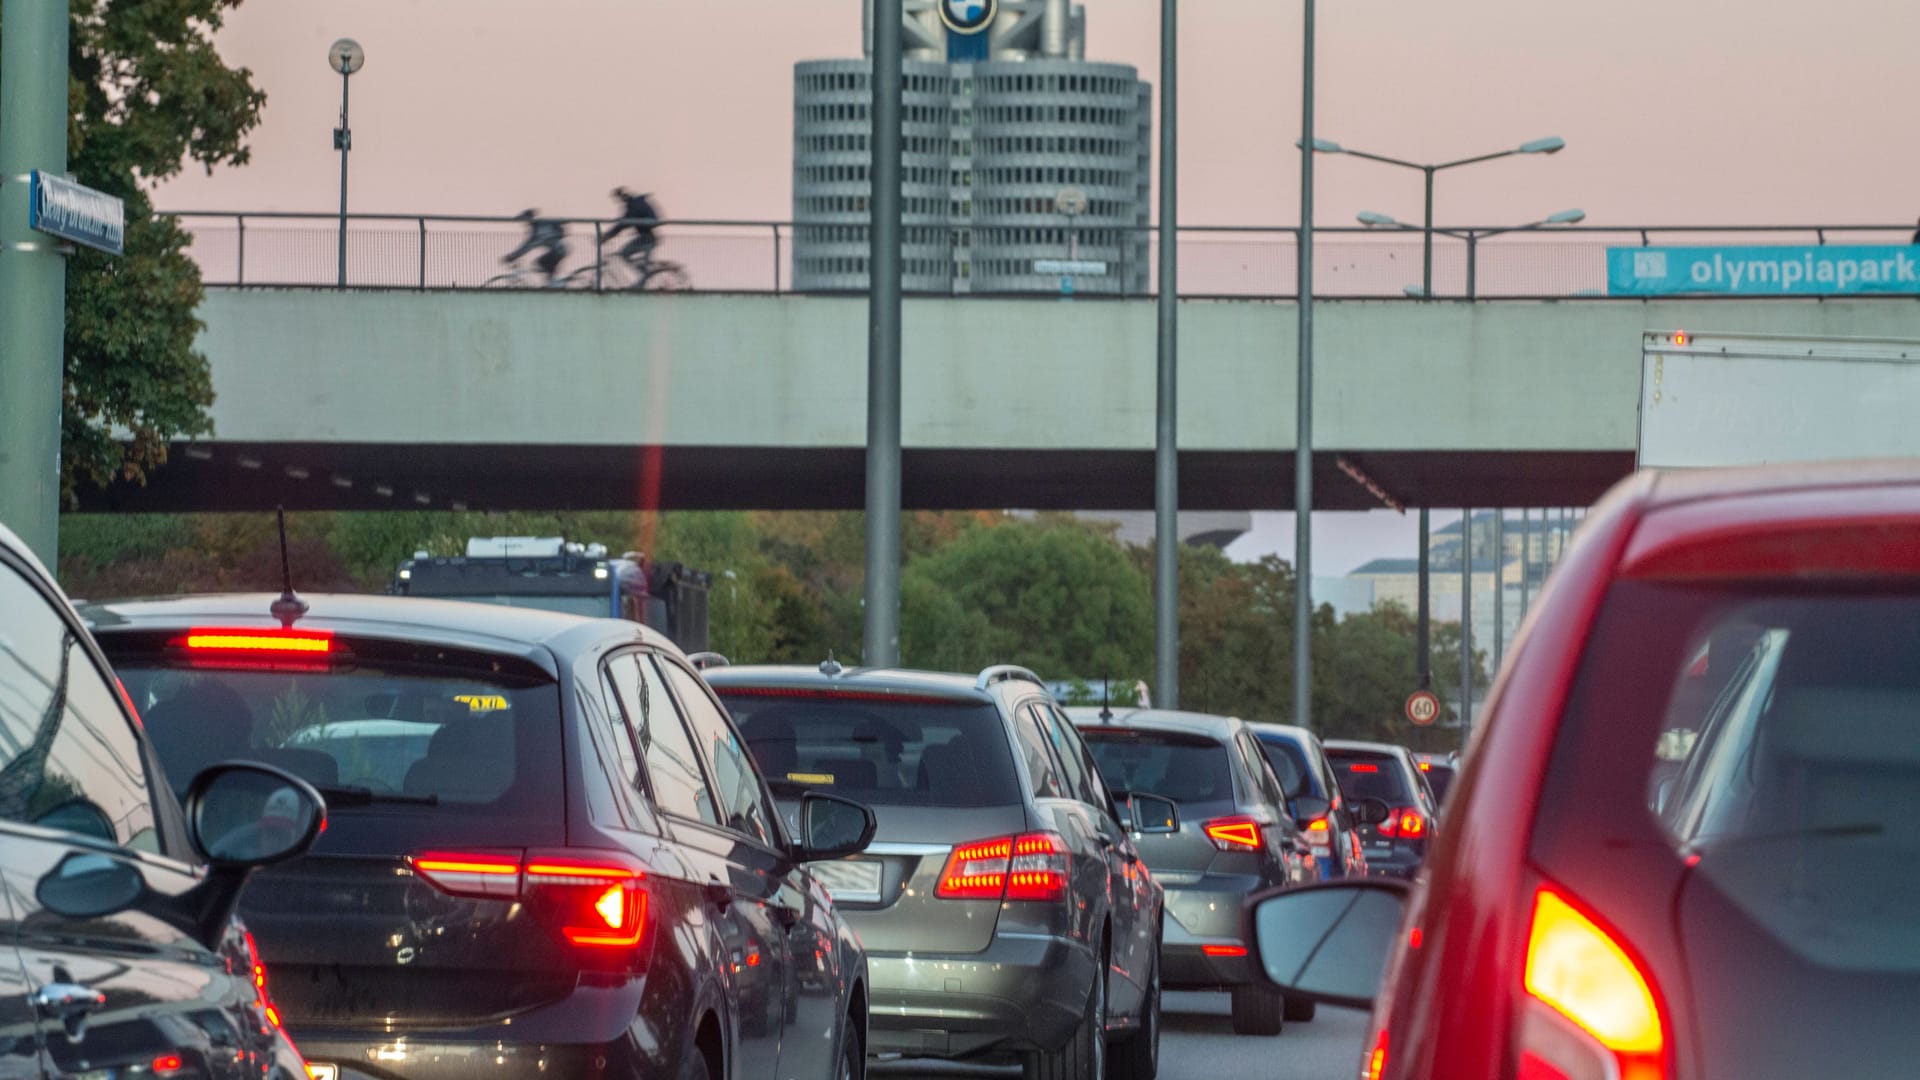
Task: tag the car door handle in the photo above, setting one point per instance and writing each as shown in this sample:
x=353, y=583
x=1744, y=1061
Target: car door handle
x=69, y=1003
x=719, y=893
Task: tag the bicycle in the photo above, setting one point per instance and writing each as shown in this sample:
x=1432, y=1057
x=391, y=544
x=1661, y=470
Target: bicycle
x=644, y=274
x=524, y=274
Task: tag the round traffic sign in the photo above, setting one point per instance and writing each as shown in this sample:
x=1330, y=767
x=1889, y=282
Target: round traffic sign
x=1423, y=707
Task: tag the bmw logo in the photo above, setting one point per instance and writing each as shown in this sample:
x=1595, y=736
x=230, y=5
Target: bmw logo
x=968, y=16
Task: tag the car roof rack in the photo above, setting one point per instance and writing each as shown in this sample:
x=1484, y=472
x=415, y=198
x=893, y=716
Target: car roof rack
x=1003, y=672
x=701, y=661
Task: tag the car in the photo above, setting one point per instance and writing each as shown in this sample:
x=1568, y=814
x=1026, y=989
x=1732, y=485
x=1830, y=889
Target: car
x=550, y=853
x=1370, y=770
x=1682, y=842
x=1235, y=839
x=1299, y=759
x=1439, y=770
x=1006, y=911
x=121, y=954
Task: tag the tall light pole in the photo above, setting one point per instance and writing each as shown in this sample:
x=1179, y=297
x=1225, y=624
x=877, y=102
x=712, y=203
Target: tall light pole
x=1303, y=405
x=1166, y=453
x=33, y=272
x=346, y=57
x=882, y=588
x=1374, y=220
x=1552, y=144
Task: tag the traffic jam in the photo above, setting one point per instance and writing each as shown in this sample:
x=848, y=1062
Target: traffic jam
x=483, y=827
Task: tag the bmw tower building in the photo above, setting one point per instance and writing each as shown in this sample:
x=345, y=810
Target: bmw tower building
x=1026, y=167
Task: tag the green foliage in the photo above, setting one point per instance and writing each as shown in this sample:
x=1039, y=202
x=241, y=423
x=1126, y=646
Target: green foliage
x=147, y=93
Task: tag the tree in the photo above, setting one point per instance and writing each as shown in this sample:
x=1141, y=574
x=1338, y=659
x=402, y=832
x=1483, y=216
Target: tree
x=147, y=93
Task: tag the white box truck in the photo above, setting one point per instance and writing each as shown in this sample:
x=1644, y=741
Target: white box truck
x=1709, y=399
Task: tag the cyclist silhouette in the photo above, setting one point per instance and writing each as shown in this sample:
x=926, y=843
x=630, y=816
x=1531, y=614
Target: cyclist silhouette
x=541, y=233
x=636, y=213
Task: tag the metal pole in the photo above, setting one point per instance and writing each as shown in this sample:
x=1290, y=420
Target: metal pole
x=1423, y=622
x=1466, y=622
x=1499, y=586
x=33, y=273
x=1303, y=426
x=882, y=644
x=346, y=144
x=1426, y=239
x=1473, y=255
x=1526, y=561
x=1166, y=452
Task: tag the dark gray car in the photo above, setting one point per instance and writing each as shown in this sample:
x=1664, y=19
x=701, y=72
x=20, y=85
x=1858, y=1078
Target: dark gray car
x=1235, y=839
x=1367, y=770
x=1005, y=910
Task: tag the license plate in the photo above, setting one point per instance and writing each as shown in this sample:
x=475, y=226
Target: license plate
x=854, y=880
x=319, y=1071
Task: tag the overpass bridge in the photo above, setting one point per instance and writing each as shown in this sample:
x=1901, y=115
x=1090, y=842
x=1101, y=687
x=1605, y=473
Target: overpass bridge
x=367, y=398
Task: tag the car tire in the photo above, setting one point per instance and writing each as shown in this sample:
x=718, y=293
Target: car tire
x=1084, y=1055
x=1257, y=1011
x=696, y=1066
x=853, y=1055
x=1299, y=1010
x=1138, y=1058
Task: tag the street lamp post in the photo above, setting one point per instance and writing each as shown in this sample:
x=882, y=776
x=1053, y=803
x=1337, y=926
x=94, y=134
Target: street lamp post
x=881, y=637
x=1303, y=426
x=1166, y=460
x=1374, y=220
x=346, y=57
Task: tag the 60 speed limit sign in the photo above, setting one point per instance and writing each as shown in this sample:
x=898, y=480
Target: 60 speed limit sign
x=1423, y=707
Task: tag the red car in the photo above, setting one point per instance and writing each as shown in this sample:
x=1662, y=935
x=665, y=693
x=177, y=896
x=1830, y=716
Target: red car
x=1684, y=844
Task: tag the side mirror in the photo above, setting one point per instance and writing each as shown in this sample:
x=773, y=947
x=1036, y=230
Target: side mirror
x=241, y=815
x=1369, y=811
x=1328, y=942
x=1309, y=807
x=85, y=885
x=1151, y=815
x=832, y=827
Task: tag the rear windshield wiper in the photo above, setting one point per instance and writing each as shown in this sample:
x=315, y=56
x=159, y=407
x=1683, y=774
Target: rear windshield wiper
x=346, y=795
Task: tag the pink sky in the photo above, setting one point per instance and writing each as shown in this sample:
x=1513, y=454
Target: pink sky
x=1674, y=111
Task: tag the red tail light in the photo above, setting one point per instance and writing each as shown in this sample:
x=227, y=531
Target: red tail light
x=1224, y=950
x=1234, y=833
x=595, y=900
x=1033, y=866
x=1363, y=767
x=1589, y=1008
x=270, y=648
x=1376, y=1062
x=167, y=1063
x=1405, y=824
x=1317, y=825
x=1426, y=766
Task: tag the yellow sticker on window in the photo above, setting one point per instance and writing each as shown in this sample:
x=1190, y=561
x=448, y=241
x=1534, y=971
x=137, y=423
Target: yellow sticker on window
x=810, y=777
x=482, y=702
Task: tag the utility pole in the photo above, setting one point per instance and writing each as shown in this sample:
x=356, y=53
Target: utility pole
x=33, y=272
x=1166, y=447
x=1303, y=404
x=882, y=637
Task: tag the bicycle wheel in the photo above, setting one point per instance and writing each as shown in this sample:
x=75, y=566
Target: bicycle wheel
x=666, y=277
x=616, y=275
x=515, y=278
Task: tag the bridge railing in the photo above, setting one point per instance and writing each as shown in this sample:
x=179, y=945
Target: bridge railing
x=281, y=249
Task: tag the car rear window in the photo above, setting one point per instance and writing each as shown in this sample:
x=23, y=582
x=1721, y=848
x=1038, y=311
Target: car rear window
x=1184, y=768
x=406, y=737
x=1439, y=777
x=888, y=753
x=1786, y=765
x=1362, y=775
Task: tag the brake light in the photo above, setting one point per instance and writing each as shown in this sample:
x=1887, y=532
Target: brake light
x=1318, y=824
x=167, y=1063
x=1224, y=950
x=1363, y=767
x=1426, y=766
x=596, y=901
x=1376, y=1062
x=1234, y=833
x=1033, y=866
x=1405, y=824
x=303, y=642
x=1589, y=1007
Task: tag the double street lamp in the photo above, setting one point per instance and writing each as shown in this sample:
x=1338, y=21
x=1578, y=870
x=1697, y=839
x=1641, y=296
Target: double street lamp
x=1473, y=237
x=1552, y=144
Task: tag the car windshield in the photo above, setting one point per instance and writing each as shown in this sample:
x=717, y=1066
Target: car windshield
x=398, y=737
x=1184, y=768
x=1364, y=775
x=922, y=753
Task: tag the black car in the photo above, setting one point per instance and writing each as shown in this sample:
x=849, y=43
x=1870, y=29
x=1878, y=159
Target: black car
x=1367, y=770
x=1235, y=838
x=120, y=956
x=1300, y=761
x=550, y=853
x=1439, y=770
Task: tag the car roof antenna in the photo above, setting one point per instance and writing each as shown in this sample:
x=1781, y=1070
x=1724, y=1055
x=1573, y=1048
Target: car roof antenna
x=289, y=607
x=1106, y=701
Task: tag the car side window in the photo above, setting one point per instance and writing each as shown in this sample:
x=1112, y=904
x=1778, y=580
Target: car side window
x=734, y=778
x=1262, y=770
x=673, y=767
x=68, y=756
x=1033, y=740
x=1082, y=768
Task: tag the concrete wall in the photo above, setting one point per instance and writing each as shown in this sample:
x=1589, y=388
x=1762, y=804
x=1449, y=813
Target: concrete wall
x=789, y=371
